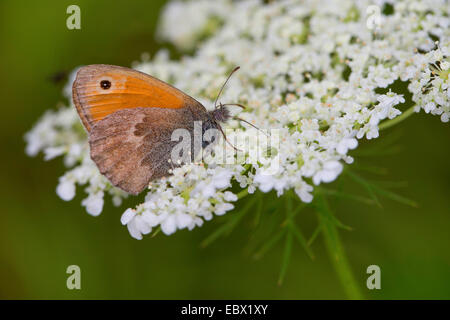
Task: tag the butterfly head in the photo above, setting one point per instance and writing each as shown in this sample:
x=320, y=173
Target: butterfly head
x=220, y=114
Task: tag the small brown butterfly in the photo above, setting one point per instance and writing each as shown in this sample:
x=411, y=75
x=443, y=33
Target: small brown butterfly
x=130, y=117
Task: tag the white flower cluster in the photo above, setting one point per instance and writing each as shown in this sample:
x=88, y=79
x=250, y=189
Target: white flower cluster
x=310, y=69
x=60, y=133
x=430, y=86
x=183, y=200
x=185, y=25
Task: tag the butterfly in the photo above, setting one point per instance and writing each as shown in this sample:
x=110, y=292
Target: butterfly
x=130, y=117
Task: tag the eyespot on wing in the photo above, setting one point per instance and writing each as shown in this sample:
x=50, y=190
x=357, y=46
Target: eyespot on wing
x=100, y=90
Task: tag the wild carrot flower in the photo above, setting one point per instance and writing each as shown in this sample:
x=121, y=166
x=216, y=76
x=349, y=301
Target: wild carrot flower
x=312, y=70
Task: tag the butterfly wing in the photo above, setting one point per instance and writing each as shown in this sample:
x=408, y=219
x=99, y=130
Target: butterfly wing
x=100, y=90
x=131, y=147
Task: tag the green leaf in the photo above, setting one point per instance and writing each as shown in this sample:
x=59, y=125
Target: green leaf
x=335, y=248
x=301, y=239
x=341, y=225
x=394, y=196
x=348, y=196
x=366, y=185
x=372, y=188
x=385, y=146
x=290, y=212
x=259, y=210
x=320, y=206
x=392, y=184
x=286, y=257
x=229, y=225
x=327, y=225
x=269, y=224
x=314, y=235
x=370, y=169
x=269, y=244
x=372, y=152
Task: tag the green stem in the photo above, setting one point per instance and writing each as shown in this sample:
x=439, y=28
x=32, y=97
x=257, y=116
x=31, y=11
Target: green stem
x=389, y=123
x=242, y=194
x=335, y=249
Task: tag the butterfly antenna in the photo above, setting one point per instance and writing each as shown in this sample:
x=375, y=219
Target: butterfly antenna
x=233, y=104
x=240, y=119
x=221, y=89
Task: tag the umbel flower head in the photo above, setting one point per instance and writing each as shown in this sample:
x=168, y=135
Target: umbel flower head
x=312, y=70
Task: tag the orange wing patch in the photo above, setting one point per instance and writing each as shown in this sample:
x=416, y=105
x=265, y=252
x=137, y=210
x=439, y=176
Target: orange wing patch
x=100, y=90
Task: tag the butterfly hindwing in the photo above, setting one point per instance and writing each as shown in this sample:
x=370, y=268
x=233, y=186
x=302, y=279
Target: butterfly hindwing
x=131, y=147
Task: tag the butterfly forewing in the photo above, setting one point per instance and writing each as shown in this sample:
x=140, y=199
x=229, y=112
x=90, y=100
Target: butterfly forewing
x=100, y=90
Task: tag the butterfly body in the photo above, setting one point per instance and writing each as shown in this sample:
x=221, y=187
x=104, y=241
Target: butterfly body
x=130, y=117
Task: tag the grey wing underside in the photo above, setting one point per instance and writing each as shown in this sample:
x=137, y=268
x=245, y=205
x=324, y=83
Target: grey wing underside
x=131, y=147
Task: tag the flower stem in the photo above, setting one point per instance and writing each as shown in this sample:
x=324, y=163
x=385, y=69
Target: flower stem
x=242, y=194
x=335, y=249
x=389, y=123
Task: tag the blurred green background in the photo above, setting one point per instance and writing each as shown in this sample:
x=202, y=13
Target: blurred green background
x=40, y=235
